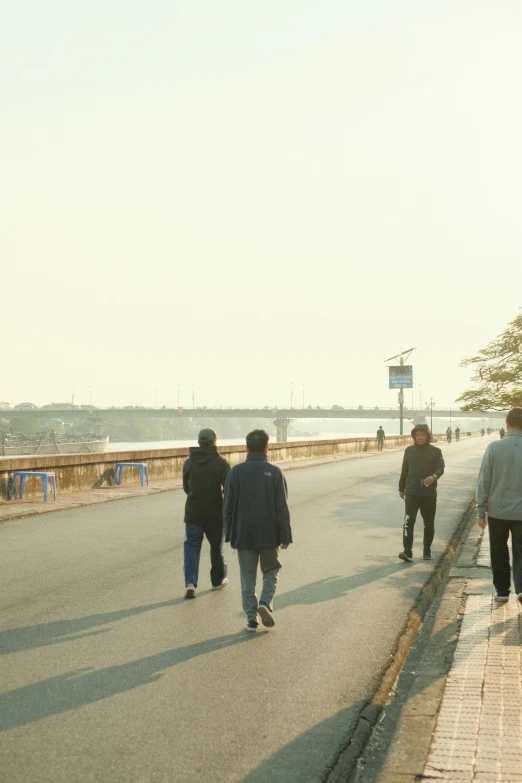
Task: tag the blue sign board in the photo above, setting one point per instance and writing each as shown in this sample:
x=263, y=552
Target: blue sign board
x=401, y=376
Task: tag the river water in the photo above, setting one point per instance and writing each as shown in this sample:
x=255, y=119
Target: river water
x=179, y=444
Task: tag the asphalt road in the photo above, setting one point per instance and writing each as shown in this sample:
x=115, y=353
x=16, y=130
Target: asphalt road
x=107, y=674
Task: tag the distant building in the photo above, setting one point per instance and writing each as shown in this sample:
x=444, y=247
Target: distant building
x=4, y=406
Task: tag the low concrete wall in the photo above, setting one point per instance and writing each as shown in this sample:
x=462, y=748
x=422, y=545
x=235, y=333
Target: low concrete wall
x=78, y=472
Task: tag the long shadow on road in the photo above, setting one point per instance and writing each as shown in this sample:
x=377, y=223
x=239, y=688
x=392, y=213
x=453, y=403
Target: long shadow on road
x=333, y=587
x=84, y=686
x=311, y=755
x=44, y=634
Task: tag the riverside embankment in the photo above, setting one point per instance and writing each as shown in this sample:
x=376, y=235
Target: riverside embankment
x=80, y=472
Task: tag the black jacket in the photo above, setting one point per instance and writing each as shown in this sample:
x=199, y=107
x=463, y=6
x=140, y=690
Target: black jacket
x=204, y=477
x=420, y=462
x=255, y=512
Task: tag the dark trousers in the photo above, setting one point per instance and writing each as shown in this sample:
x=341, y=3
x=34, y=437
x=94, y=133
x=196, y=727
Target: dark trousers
x=192, y=551
x=380, y=442
x=499, y=530
x=427, y=506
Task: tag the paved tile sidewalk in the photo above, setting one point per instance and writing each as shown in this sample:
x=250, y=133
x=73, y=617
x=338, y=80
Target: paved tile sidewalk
x=478, y=735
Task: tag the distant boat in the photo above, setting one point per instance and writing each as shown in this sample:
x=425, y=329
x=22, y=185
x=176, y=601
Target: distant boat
x=14, y=444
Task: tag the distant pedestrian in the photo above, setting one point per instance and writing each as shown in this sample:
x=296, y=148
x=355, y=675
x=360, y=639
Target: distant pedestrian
x=457, y=434
x=422, y=467
x=380, y=438
x=501, y=432
x=449, y=434
x=257, y=523
x=482, y=431
x=499, y=495
x=204, y=476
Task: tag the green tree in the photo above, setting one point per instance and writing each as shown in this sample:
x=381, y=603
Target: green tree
x=497, y=373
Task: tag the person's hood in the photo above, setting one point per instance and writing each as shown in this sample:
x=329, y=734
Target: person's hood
x=202, y=454
x=421, y=428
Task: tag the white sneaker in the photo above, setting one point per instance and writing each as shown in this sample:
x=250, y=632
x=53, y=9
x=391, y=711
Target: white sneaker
x=519, y=598
x=501, y=599
x=224, y=583
x=266, y=616
x=191, y=591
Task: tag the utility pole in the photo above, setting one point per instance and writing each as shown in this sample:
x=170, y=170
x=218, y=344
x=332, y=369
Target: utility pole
x=431, y=405
x=401, y=357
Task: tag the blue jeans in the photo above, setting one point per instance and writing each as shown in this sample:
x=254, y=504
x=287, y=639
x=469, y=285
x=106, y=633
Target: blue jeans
x=192, y=551
x=249, y=559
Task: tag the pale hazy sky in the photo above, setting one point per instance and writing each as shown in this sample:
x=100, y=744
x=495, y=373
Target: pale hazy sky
x=238, y=195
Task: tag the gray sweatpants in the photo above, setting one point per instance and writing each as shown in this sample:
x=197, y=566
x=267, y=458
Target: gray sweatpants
x=270, y=567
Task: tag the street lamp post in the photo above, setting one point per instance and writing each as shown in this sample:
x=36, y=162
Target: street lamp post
x=400, y=357
x=292, y=394
x=431, y=405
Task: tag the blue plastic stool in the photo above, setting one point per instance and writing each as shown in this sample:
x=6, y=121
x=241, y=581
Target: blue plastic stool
x=118, y=473
x=45, y=476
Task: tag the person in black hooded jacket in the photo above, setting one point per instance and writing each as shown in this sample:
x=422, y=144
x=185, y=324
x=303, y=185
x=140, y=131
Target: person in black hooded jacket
x=422, y=467
x=204, y=476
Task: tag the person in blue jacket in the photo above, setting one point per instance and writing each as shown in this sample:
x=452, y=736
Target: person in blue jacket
x=256, y=523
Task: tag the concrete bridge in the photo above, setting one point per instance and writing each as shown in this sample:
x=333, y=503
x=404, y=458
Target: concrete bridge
x=383, y=414
x=281, y=417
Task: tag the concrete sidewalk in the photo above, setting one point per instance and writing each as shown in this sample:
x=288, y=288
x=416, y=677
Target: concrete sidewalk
x=478, y=735
x=463, y=707
x=16, y=508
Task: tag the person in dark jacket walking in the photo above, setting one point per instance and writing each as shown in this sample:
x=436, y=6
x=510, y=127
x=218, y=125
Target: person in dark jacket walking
x=257, y=523
x=422, y=467
x=204, y=478
x=380, y=438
